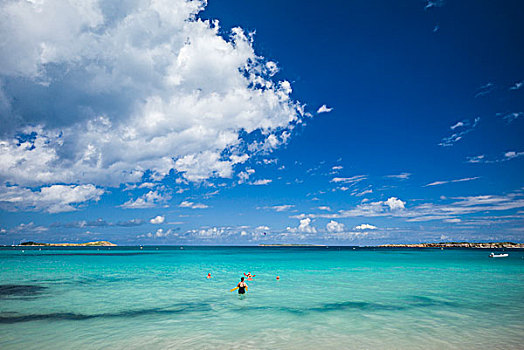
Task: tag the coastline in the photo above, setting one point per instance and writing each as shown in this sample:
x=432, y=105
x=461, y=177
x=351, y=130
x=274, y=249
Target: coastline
x=487, y=245
x=464, y=245
x=86, y=244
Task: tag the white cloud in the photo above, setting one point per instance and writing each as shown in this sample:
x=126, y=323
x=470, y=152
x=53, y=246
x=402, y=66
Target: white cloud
x=394, y=203
x=262, y=182
x=52, y=199
x=278, y=208
x=468, y=127
x=148, y=200
x=324, y=207
x=509, y=117
x=243, y=176
x=348, y=180
x=262, y=228
x=513, y=154
x=436, y=183
x=476, y=159
x=434, y=3
x=334, y=226
x=453, y=221
x=517, y=85
x=458, y=125
x=208, y=233
x=147, y=185
x=485, y=90
x=365, y=227
x=402, y=176
x=304, y=227
x=394, y=207
x=362, y=193
x=324, y=109
x=157, y=220
x=159, y=90
x=160, y=233
x=30, y=227
x=509, y=155
x=187, y=204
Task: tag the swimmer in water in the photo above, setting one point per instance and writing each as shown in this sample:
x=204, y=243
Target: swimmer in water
x=209, y=275
x=241, y=286
x=249, y=276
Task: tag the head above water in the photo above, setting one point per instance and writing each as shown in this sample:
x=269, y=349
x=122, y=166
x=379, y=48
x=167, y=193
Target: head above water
x=241, y=279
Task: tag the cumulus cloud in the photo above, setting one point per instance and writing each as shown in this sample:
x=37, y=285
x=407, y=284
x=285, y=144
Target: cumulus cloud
x=458, y=206
x=365, y=227
x=243, y=176
x=324, y=109
x=148, y=200
x=394, y=203
x=517, y=85
x=107, y=92
x=157, y=220
x=262, y=182
x=334, y=226
x=52, y=199
x=98, y=223
x=187, y=204
x=208, y=233
x=304, y=227
x=160, y=233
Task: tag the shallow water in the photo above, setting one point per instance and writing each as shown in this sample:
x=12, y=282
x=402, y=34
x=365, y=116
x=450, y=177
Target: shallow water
x=332, y=298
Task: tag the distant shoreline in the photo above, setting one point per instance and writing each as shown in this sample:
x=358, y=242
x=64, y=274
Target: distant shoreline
x=292, y=245
x=87, y=244
x=473, y=245
x=490, y=245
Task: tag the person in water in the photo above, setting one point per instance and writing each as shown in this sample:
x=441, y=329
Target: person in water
x=209, y=275
x=249, y=276
x=241, y=286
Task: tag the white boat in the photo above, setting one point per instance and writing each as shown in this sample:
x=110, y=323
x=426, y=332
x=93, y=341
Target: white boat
x=493, y=255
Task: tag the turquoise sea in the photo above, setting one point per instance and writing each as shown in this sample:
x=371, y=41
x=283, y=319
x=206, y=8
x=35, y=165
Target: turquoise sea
x=326, y=298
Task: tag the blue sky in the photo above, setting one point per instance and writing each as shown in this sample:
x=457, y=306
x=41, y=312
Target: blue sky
x=227, y=122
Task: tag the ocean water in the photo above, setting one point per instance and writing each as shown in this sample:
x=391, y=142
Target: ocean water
x=326, y=298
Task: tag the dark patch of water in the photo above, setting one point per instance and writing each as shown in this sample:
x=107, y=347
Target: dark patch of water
x=91, y=254
x=6, y=318
x=20, y=290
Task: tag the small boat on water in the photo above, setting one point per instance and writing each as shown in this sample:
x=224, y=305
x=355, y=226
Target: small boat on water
x=493, y=255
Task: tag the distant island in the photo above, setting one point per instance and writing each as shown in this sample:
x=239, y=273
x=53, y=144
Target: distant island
x=291, y=245
x=490, y=245
x=87, y=244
